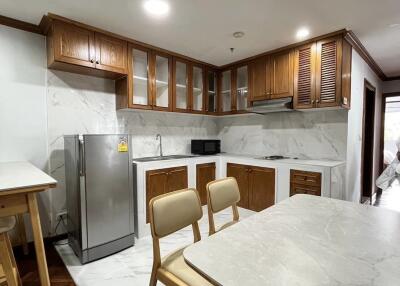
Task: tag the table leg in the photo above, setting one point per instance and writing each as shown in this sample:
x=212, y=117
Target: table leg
x=38, y=240
x=22, y=233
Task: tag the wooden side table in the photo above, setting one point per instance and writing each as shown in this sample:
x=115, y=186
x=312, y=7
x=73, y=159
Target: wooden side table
x=19, y=184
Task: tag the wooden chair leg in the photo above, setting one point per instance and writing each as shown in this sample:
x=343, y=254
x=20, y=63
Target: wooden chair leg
x=153, y=278
x=22, y=233
x=6, y=261
x=14, y=263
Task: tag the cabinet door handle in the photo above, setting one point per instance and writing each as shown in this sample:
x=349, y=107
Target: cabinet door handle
x=97, y=62
x=317, y=100
x=92, y=61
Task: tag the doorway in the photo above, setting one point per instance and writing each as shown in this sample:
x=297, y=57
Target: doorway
x=367, y=148
x=389, y=134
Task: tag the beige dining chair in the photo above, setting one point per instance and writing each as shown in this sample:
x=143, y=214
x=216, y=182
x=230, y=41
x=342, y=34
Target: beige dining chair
x=7, y=259
x=168, y=214
x=222, y=194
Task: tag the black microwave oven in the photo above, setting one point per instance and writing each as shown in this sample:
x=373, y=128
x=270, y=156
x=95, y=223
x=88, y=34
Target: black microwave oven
x=206, y=147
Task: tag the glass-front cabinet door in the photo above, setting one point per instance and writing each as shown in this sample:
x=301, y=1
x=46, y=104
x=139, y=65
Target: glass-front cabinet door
x=162, y=89
x=181, y=102
x=197, y=89
x=212, y=98
x=242, y=87
x=140, y=79
x=226, y=92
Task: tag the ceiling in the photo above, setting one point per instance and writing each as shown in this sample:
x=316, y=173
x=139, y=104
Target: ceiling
x=202, y=29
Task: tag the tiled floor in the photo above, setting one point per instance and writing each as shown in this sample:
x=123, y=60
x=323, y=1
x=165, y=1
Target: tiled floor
x=133, y=266
x=390, y=198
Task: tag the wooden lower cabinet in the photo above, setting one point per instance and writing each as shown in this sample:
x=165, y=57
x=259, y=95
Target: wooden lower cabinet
x=205, y=173
x=256, y=185
x=261, y=188
x=305, y=182
x=240, y=173
x=163, y=181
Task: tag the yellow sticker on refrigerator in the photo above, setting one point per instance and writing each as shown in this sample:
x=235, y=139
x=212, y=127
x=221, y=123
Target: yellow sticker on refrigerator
x=123, y=145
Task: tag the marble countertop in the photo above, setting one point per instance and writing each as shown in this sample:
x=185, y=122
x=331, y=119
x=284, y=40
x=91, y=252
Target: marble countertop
x=310, y=162
x=18, y=175
x=304, y=240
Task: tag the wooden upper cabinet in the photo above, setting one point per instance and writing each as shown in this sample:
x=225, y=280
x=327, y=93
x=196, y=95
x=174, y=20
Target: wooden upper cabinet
x=75, y=49
x=197, y=85
x=111, y=54
x=261, y=188
x=211, y=88
x=181, y=82
x=260, y=83
x=281, y=73
x=72, y=44
x=329, y=72
x=161, y=81
x=205, y=173
x=304, y=76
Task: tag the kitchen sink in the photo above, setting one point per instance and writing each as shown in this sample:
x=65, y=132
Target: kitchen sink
x=160, y=158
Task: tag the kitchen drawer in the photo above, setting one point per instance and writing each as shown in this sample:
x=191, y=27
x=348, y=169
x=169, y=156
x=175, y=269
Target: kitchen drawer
x=305, y=178
x=296, y=189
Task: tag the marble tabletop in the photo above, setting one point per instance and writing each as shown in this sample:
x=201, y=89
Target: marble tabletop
x=304, y=240
x=18, y=175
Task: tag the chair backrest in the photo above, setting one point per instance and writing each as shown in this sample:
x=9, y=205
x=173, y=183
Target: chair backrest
x=222, y=194
x=173, y=211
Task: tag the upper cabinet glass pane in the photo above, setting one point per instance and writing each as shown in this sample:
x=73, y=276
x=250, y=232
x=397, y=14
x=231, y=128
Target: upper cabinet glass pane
x=242, y=87
x=162, y=83
x=140, y=77
x=181, y=85
x=197, y=89
x=226, y=91
x=212, y=91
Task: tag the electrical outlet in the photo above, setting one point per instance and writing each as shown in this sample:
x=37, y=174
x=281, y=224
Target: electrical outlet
x=61, y=215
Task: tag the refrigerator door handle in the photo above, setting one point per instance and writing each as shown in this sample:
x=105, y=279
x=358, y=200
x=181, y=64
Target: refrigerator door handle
x=81, y=158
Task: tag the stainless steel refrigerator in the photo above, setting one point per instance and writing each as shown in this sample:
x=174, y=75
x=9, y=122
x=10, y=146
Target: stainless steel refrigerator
x=99, y=183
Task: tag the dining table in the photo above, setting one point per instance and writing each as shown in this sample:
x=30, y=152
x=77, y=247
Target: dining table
x=20, y=182
x=304, y=240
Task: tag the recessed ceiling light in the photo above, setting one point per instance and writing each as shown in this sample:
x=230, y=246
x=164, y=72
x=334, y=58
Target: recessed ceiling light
x=302, y=33
x=156, y=7
x=238, y=34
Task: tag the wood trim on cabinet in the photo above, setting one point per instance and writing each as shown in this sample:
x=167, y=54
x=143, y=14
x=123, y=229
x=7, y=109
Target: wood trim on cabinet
x=353, y=40
x=21, y=25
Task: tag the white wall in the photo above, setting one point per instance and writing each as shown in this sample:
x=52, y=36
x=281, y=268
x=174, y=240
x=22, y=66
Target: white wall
x=23, y=113
x=360, y=71
x=391, y=86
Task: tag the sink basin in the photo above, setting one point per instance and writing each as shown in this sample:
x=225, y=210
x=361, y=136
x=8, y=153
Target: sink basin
x=160, y=158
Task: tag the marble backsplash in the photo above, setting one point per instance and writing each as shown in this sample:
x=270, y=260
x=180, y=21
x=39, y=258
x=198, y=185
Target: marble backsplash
x=310, y=134
x=79, y=104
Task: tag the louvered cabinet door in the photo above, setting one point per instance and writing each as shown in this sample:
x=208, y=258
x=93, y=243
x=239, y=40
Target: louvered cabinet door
x=328, y=74
x=304, y=76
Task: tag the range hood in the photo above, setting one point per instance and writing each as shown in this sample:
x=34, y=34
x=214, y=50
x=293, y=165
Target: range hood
x=271, y=105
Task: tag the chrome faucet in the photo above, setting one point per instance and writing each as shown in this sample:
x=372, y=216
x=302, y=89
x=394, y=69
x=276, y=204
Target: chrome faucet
x=159, y=136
